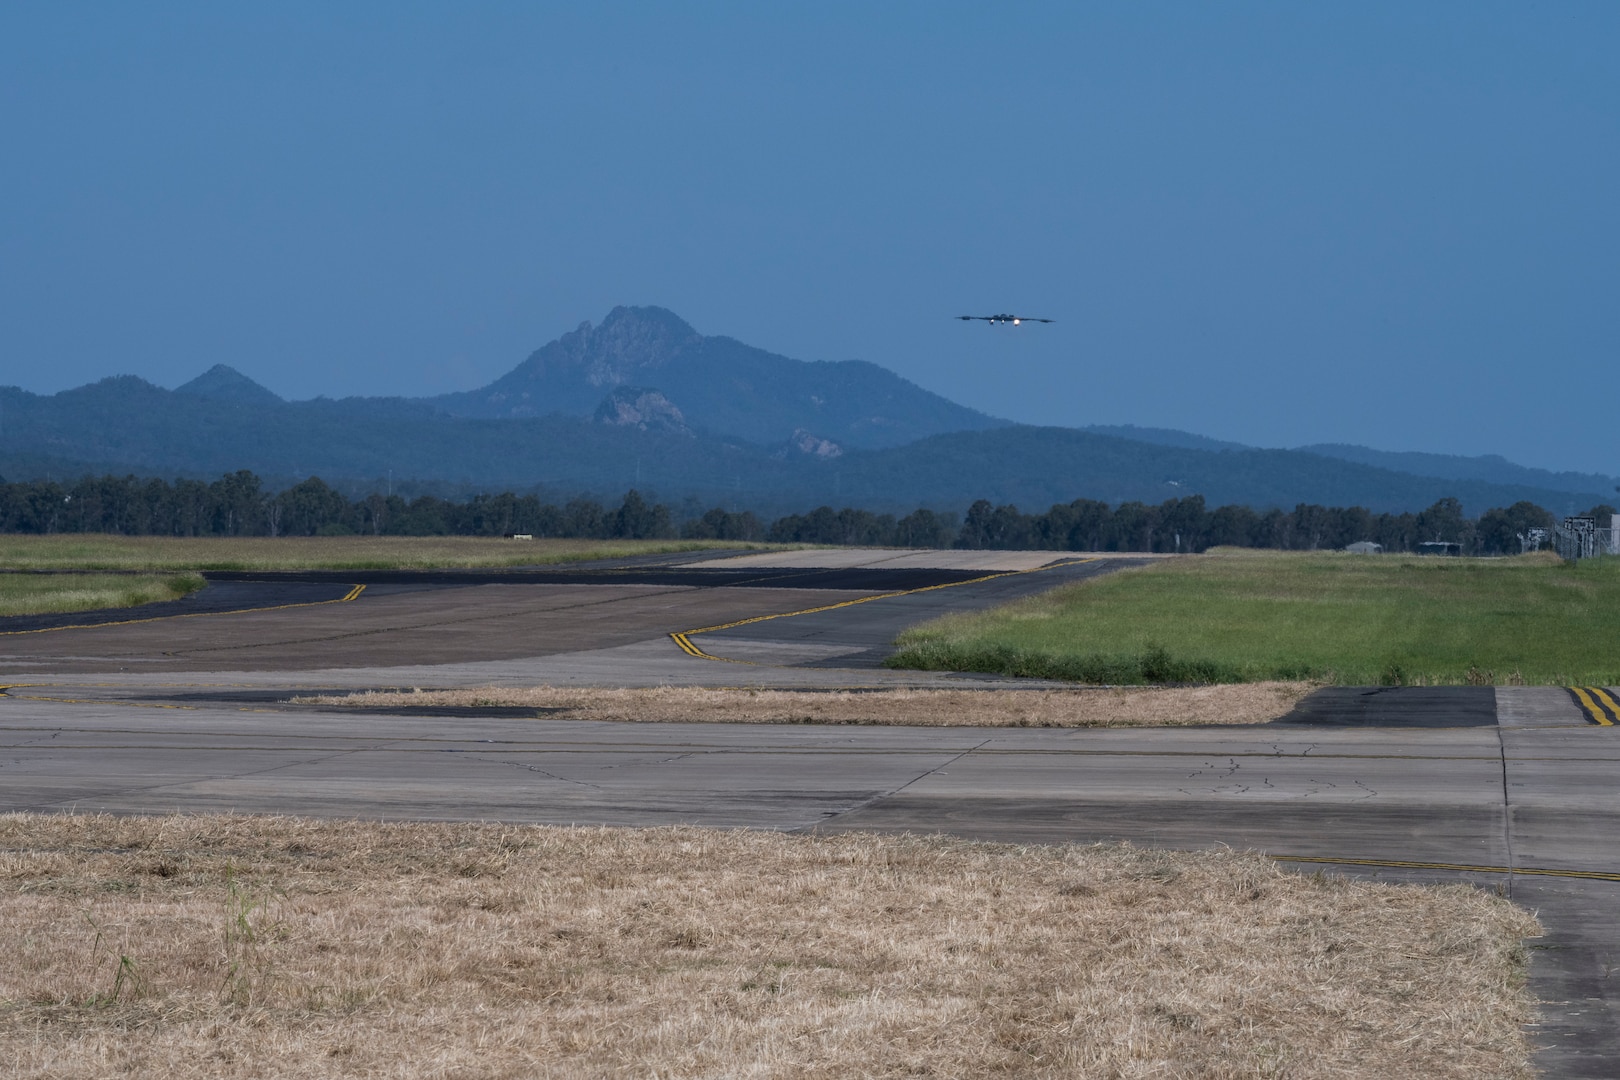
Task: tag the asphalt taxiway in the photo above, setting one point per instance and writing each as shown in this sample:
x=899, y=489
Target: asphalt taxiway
x=1510, y=788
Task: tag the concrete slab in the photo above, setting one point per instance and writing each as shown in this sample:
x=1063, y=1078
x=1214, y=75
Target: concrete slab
x=1536, y=706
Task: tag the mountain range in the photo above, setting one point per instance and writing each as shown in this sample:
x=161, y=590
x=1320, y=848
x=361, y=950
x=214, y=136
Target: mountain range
x=644, y=400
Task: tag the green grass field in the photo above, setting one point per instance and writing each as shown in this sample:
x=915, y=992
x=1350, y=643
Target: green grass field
x=39, y=594
x=77, y=551
x=1239, y=616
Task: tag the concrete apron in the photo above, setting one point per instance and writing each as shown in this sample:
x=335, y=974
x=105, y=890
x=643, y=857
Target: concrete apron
x=1537, y=791
x=1562, y=791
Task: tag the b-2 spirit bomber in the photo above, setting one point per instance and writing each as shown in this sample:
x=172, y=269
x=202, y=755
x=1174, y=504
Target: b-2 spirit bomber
x=994, y=319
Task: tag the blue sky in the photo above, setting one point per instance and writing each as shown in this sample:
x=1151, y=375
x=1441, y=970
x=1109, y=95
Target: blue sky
x=1390, y=224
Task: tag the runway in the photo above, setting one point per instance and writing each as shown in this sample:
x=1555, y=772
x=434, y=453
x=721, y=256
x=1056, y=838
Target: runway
x=1512, y=788
x=608, y=624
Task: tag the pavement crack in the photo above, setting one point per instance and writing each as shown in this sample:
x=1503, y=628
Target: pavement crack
x=1507, y=811
x=547, y=772
x=659, y=761
x=31, y=742
x=864, y=803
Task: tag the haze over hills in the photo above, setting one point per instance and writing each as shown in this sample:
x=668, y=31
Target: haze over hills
x=1488, y=468
x=1186, y=440
x=645, y=401
x=1491, y=468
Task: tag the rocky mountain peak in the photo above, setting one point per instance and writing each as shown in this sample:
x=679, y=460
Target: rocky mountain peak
x=630, y=341
x=642, y=408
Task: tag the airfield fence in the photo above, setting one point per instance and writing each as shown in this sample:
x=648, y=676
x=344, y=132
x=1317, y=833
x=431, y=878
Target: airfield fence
x=1580, y=538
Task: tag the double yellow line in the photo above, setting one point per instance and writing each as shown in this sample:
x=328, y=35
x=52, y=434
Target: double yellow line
x=1597, y=704
x=683, y=638
x=350, y=595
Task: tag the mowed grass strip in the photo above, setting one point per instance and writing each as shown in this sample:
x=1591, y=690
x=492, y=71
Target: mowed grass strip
x=77, y=551
x=42, y=594
x=1180, y=706
x=254, y=947
x=1234, y=616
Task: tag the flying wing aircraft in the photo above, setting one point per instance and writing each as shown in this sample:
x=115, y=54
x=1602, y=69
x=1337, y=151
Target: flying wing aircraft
x=993, y=319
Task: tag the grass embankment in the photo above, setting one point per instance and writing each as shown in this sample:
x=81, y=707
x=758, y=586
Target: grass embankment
x=1234, y=616
x=101, y=552
x=41, y=594
x=1180, y=706
x=226, y=947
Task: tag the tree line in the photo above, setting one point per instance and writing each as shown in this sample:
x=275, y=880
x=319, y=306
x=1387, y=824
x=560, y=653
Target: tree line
x=238, y=504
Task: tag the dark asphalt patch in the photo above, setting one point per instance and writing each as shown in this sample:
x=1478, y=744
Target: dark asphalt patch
x=282, y=699
x=212, y=599
x=1397, y=706
x=855, y=579
x=518, y=712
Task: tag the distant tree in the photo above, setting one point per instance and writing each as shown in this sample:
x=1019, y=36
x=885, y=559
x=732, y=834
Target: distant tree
x=191, y=508
x=486, y=515
x=977, y=526
x=1011, y=530
x=238, y=502
x=1185, y=519
x=1396, y=532
x=424, y=515
x=372, y=513
x=308, y=506
x=1234, y=526
x=1307, y=527
x=922, y=529
x=1132, y=527
x=544, y=520
x=583, y=518
x=1274, y=530
x=720, y=524
x=636, y=519
x=1081, y=525
x=1444, y=521
x=1498, y=530
x=1347, y=525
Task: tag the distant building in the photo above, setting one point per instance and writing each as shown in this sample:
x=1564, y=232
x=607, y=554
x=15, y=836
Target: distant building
x=1364, y=547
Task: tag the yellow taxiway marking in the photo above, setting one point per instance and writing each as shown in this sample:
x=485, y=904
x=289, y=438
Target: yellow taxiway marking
x=350, y=595
x=1596, y=703
x=1465, y=868
x=683, y=638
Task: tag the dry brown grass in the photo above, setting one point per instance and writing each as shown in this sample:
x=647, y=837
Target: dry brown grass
x=1179, y=706
x=270, y=947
